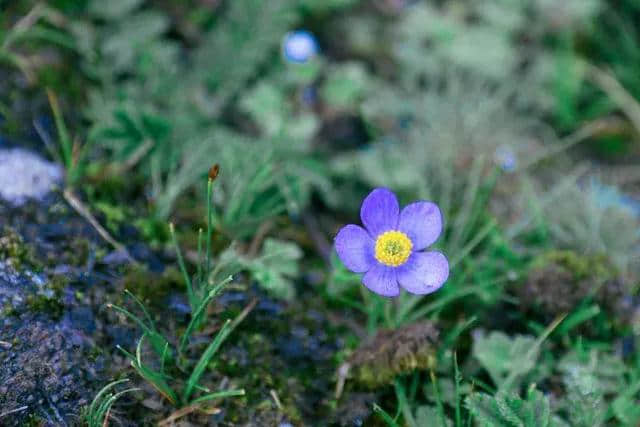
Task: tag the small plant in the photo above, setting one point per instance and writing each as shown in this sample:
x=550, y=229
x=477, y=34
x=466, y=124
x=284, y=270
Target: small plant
x=100, y=408
x=511, y=410
x=172, y=376
x=69, y=152
x=42, y=23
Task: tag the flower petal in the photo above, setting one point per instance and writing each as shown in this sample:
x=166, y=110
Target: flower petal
x=422, y=222
x=424, y=272
x=382, y=280
x=379, y=211
x=355, y=248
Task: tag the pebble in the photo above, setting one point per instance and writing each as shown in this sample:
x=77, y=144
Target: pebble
x=25, y=175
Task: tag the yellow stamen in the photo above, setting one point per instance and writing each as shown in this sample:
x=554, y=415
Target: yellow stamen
x=393, y=248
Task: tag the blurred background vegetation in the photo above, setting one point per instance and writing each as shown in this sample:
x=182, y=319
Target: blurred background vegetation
x=520, y=118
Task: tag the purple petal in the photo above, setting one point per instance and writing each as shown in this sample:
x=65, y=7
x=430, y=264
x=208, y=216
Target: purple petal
x=379, y=211
x=382, y=280
x=424, y=272
x=355, y=248
x=422, y=222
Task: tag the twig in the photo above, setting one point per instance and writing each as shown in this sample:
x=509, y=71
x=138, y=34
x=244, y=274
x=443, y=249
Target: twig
x=46, y=139
x=135, y=158
x=245, y=312
x=276, y=399
x=262, y=232
x=514, y=230
x=622, y=175
x=318, y=237
x=612, y=87
x=84, y=212
x=13, y=411
x=183, y=412
x=343, y=374
x=582, y=134
x=24, y=24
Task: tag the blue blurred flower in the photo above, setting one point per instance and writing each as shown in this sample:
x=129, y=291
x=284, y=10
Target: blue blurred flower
x=299, y=46
x=610, y=196
x=506, y=158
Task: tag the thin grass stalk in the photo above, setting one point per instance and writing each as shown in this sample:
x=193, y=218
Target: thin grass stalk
x=197, y=314
x=209, y=225
x=219, y=395
x=183, y=268
x=194, y=378
x=385, y=416
x=457, y=378
x=403, y=404
x=96, y=402
x=436, y=392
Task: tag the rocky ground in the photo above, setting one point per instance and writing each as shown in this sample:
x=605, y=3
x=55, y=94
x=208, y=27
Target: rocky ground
x=58, y=338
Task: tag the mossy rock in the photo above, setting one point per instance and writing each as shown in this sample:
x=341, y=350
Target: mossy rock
x=559, y=280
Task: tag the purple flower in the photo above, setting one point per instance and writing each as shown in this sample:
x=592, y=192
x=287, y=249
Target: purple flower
x=390, y=250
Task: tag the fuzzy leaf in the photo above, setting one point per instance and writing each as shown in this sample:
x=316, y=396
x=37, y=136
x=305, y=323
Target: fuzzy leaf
x=276, y=266
x=429, y=416
x=502, y=355
x=511, y=410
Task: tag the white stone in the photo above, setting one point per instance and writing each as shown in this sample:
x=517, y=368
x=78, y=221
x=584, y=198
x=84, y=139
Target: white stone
x=25, y=175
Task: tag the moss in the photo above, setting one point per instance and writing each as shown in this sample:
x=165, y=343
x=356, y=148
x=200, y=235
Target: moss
x=394, y=352
x=258, y=379
x=34, y=421
x=559, y=279
x=76, y=253
x=14, y=249
x=597, y=267
x=150, y=286
x=42, y=304
x=7, y=310
x=49, y=304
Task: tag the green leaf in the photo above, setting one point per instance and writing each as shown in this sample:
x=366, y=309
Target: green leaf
x=345, y=85
x=276, y=266
x=511, y=410
x=429, y=416
x=266, y=104
x=501, y=355
x=248, y=34
x=112, y=9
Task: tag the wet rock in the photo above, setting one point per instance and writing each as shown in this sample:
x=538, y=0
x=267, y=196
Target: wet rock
x=25, y=175
x=394, y=352
x=16, y=288
x=47, y=368
x=81, y=318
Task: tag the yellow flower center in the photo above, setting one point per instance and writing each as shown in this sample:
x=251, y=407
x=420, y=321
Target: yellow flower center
x=393, y=248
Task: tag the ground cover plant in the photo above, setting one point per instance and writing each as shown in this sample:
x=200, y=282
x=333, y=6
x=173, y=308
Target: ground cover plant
x=319, y=213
